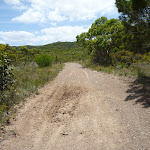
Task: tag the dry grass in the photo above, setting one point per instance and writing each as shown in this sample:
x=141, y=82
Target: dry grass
x=29, y=77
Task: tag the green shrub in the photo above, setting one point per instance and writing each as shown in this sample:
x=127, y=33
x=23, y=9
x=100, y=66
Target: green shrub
x=6, y=76
x=146, y=57
x=43, y=60
x=6, y=82
x=142, y=69
x=122, y=57
x=137, y=58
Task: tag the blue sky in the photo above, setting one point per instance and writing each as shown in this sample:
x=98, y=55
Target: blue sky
x=39, y=22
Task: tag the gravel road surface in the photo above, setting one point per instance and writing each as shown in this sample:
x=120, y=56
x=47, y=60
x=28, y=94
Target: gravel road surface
x=80, y=110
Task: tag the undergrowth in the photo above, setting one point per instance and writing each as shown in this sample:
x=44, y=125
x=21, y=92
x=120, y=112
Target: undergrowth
x=139, y=70
x=29, y=77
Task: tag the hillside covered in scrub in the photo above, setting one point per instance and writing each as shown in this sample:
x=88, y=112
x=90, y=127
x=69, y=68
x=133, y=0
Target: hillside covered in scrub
x=23, y=69
x=64, y=51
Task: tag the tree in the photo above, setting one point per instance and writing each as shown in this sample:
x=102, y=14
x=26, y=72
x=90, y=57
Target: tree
x=25, y=53
x=135, y=16
x=24, y=50
x=103, y=38
x=11, y=52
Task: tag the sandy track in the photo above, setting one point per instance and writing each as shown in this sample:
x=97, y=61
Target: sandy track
x=80, y=110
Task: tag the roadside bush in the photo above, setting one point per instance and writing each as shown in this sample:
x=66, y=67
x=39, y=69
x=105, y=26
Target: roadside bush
x=139, y=58
x=28, y=79
x=142, y=69
x=122, y=57
x=6, y=76
x=6, y=82
x=146, y=57
x=43, y=60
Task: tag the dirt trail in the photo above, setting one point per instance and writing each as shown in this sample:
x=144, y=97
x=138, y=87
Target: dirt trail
x=80, y=110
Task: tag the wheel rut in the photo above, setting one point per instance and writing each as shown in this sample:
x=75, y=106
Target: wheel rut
x=80, y=110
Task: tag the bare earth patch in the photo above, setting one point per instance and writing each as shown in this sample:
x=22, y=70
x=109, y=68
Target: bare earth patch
x=80, y=110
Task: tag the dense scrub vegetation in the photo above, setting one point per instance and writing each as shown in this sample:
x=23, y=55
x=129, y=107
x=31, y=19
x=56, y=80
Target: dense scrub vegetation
x=107, y=44
x=60, y=51
x=121, y=46
x=23, y=69
x=120, y=42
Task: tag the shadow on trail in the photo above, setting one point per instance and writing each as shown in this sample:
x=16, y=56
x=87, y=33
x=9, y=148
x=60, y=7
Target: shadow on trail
x=140, y=91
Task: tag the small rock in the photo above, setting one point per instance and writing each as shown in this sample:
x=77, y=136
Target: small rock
x=8, y=121
x=63, y=133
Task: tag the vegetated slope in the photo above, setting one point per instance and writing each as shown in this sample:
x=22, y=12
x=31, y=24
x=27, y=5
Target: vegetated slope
x=62, y=45
x=80, y=110
x=65, y=51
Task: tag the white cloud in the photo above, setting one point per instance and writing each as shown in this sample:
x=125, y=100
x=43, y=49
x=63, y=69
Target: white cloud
x=30, y=16
x=61, y=10
x=53, y=23
x=63, y=33
x=2, y=42
x=20, y=37
x=17, y=4
x=45, y=36
x=55, y=16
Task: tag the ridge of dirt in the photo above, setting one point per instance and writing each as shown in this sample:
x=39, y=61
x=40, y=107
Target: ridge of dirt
x=80, y=110
x=65, y=102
